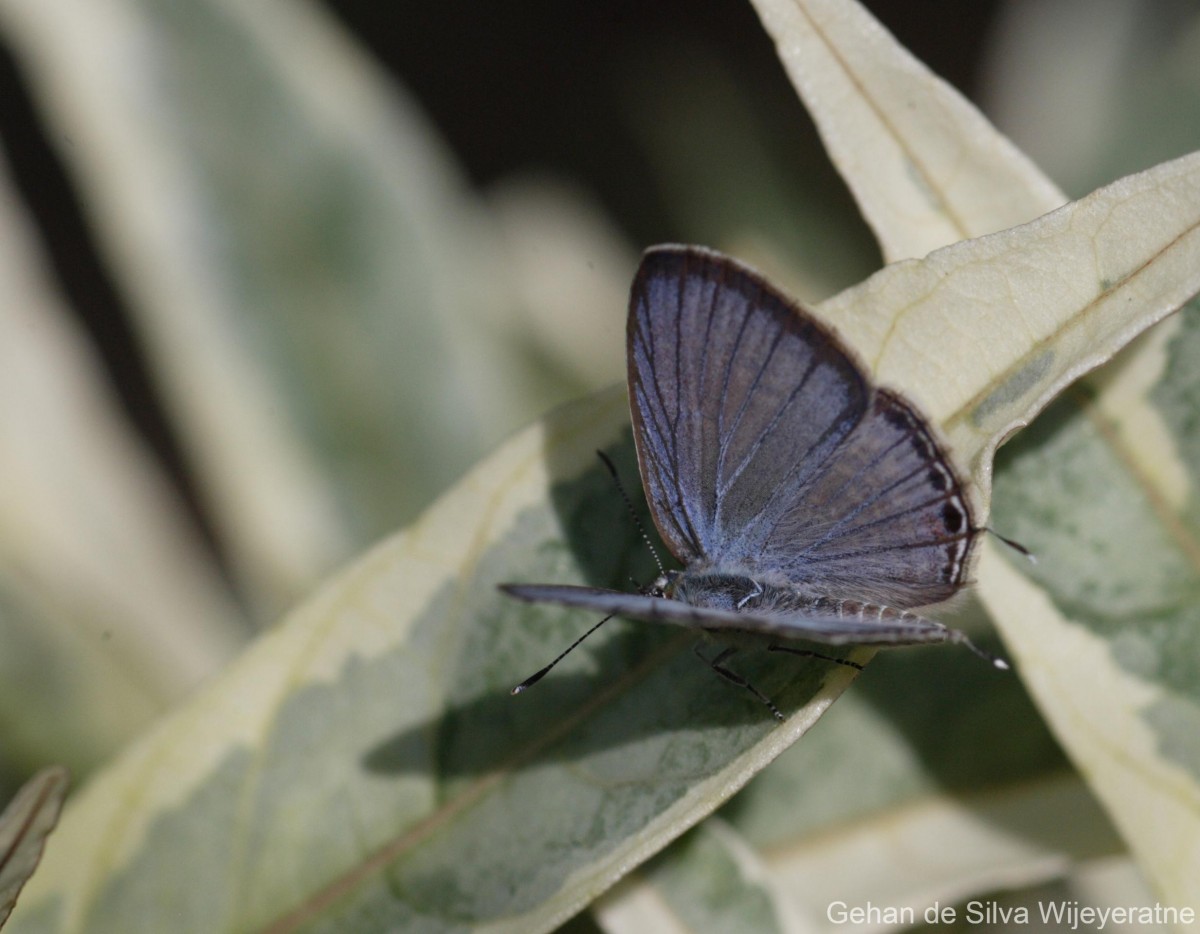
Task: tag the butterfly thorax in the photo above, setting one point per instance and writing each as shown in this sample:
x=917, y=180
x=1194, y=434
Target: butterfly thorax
x=736, y=592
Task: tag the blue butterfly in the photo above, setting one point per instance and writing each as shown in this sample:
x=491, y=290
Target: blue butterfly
x=803, y=501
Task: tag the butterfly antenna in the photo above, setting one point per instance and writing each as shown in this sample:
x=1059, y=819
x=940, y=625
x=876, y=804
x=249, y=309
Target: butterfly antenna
x=637, y=520
x=1015, y=546
x=996, y=660
x=538, y=675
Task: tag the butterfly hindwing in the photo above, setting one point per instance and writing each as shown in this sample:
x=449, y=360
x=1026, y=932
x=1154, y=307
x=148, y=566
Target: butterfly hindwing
x=901, y=532
x=879, y=626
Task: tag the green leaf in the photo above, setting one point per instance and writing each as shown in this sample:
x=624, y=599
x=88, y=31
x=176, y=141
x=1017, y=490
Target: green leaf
x=939, y=173
x=24, y=826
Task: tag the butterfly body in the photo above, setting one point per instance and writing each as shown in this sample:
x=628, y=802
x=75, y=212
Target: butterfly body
x=787, y=606
x=723, y=602
x=803, y=501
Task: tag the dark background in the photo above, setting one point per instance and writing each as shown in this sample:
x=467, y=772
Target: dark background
x=554, y=70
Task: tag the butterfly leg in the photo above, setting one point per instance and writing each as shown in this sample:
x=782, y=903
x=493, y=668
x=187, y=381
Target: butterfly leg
x=811, y=654
x=756, y=592
x=734, y=678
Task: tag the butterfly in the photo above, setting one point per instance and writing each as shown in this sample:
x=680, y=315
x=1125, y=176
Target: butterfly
x=803, y=501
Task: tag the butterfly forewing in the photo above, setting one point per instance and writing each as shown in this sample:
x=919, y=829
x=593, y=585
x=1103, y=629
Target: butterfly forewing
x=732, y=393
x=764, y=449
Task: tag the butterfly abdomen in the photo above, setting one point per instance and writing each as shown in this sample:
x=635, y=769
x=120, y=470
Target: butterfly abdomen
x=738, y=593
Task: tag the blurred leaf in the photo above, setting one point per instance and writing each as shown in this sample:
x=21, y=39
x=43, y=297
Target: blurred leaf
x=110, y=609
x=571, y=270
x=24, y=826
x=310, y=275
x=1102, y=884
x=1093, y=97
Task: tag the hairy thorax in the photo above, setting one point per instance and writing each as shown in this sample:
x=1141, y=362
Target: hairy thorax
x=737, y=593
